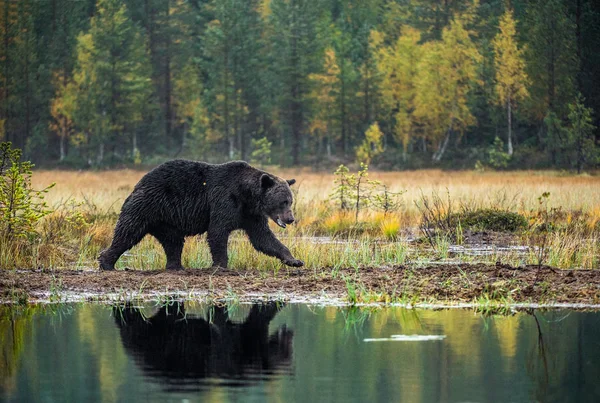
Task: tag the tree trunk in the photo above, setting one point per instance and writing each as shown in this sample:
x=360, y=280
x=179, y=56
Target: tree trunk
x=510, y=144
x=295, y=86
x=282, y=146
x=367, y=106
x=296, y=124
x=229, y=137
x=168, y=107
x=238, y=122
x=134, y=145
x=231, y=148
x=551, y=72
x=27, y=33
x=437, y=156
x=343, y=108
x=579, y=42
x=6, y=73
x=27, y=91
x=579, y=153
x=100, y=153
x=63, y=153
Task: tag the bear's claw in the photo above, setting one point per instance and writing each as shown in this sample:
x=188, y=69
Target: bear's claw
x=294, y=262
x=104, y=265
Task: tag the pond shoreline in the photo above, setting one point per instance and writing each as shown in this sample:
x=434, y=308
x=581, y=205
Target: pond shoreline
x=433, y=285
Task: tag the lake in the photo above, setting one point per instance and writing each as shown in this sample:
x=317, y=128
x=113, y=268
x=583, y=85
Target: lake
x=184, y=352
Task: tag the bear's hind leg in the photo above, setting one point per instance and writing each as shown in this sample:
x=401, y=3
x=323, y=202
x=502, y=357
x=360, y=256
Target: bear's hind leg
x=126, y=237
x=172, y=242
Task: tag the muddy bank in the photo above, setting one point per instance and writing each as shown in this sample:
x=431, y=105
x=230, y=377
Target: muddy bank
x=439, y=283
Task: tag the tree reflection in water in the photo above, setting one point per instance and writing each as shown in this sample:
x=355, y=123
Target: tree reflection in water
x=182, y=350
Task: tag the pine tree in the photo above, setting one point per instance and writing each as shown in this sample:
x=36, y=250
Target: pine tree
x=511, y=78
x=296, y=54
x=191, y=112
x=551, y=58
x=21, y=207
x=582, y=133
x=8, y=22
x=325, y=123
x=111, y=83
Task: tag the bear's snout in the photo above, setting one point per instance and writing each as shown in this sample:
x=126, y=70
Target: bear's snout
x=284, y=219
x=288, y=217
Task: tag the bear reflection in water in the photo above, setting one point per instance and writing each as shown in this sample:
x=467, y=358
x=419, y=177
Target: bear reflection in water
x=178, y=347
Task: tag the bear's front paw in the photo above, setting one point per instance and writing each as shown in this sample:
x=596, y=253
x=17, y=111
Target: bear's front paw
x=294, y=262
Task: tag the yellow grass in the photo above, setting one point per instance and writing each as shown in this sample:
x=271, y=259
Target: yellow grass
x=517, y=191
x=65, y=244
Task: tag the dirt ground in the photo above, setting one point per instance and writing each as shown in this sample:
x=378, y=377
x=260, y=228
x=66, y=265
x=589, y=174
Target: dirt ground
x=436, y=283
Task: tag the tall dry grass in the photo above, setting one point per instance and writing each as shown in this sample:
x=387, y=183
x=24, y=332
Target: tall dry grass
x=100, y=195
x=512, y=190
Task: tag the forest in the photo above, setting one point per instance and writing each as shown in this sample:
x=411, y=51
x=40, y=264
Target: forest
x=398, y=84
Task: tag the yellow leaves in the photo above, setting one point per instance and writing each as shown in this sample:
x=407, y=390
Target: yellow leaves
x=264, y=9
x=447, y=72
x=511, y=78
x=397, y=67
x=318, y=126
x=375, y=39
x=62, y=105
x=188, y=89
x=372, y=145
x=328, y=79
x=85, y=52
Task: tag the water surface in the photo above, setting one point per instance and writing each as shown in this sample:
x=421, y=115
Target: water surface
x=87, y=352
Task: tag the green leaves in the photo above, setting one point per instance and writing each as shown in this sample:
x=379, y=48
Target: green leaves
x=581, y=130
x=261, y=152
x=21, y=207
x=111, y=87
x=106, y=82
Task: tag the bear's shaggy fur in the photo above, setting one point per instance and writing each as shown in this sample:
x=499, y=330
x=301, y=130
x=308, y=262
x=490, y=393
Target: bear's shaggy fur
x=181, y=198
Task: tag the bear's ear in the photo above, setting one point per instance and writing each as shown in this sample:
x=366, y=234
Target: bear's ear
x=266, y=181
x=291, y=181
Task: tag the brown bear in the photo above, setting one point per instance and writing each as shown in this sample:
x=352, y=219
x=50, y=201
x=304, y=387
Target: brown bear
x=181, y=198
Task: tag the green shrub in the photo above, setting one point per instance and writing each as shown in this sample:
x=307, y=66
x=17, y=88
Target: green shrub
x=261, y=152
x=497, y=158
x=491, y=220
x=21, y=207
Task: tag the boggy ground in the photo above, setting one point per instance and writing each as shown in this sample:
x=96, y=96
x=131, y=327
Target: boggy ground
x=474, y=283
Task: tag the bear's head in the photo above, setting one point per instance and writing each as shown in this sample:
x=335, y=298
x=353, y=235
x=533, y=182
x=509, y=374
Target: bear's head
x=277, y=199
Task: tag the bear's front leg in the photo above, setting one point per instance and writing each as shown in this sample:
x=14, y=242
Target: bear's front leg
x=263, y=240
x=217, y=242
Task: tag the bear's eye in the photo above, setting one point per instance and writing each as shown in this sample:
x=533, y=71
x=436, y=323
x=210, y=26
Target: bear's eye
x=284, y=204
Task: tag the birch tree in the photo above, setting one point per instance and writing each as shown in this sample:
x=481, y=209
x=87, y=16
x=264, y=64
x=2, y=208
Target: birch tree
x=511, y=78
